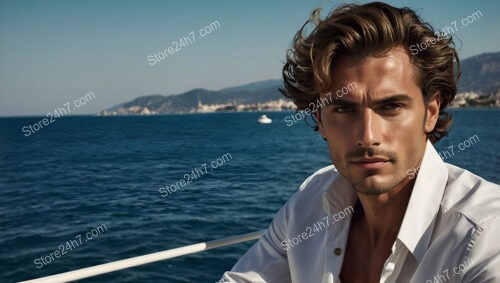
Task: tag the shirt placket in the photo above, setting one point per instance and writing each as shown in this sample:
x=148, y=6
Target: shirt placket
x=335, y=247
x=393, y=264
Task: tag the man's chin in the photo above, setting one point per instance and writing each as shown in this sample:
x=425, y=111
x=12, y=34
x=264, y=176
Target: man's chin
x=374, y=184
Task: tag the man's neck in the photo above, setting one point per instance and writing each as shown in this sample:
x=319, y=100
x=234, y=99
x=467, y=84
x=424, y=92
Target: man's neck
x=381, y=215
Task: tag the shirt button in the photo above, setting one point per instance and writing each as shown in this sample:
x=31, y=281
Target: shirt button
x=337, y=251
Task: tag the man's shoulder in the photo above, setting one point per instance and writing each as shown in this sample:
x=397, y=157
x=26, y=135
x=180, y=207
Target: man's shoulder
x=471, y=220
x=315, y=185
x=319, y=177
x=471, y=196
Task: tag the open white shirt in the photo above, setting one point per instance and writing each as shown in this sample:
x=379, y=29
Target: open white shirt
x=450, y=231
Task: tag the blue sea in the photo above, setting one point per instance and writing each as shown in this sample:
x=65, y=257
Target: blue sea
x=67, y=180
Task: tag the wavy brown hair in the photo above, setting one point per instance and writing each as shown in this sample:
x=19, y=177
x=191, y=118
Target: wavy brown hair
x=370, y=30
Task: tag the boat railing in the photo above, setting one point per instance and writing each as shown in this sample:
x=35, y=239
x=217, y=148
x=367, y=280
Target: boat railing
x=144, y=259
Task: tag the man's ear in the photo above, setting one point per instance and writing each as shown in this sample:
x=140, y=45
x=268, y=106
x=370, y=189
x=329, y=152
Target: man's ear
x=320, y=124
x=432, y=111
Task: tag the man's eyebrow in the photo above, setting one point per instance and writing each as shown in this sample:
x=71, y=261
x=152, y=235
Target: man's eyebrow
x=390, y=99
x=394, y=98
x=343, y=102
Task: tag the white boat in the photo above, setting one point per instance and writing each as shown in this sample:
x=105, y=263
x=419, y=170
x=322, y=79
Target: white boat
x=264, y=120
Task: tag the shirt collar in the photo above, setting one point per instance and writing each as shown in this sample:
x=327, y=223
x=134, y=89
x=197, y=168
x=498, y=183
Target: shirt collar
x=425, y=201
x=339, y=195
x=416, y=229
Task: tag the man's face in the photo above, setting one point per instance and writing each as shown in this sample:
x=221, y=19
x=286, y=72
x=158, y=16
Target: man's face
x=376, y=132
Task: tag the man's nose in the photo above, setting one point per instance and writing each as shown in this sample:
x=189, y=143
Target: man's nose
x=368, y=129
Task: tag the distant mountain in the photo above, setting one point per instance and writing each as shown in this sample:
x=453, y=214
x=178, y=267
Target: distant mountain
x=480, y=74
x=255, y=86
x=187, y=101
x=254, y=96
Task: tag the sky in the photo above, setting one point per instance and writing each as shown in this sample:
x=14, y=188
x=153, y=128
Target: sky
x=55, y=52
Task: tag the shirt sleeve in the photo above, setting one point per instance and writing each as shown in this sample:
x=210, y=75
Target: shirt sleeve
x=266, y=261
x=483, y=255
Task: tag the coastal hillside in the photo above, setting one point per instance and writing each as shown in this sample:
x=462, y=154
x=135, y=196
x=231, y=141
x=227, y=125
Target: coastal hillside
x=479, y=86
x=263, y=95
x=480, y=74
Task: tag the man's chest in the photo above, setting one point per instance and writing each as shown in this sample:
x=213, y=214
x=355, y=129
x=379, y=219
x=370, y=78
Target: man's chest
x=362, y=262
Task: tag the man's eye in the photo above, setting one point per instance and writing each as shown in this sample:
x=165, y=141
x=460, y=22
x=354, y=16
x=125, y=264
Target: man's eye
x=343, y=109
x=391, y=106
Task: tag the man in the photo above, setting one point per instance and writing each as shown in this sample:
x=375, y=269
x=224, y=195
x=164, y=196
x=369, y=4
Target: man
x=389, y=210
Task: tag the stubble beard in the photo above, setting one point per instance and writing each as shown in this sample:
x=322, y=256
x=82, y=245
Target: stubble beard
x=379, y=188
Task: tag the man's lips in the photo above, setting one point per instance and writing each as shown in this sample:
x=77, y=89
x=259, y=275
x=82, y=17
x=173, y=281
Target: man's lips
x=370, y=163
